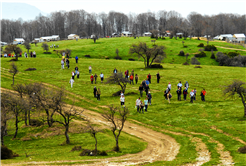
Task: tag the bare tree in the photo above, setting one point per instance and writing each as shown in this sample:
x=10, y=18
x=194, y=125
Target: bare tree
x=13, y=48
x=194, y=61
x=27, y=45
x=117, y=52
x=117, y=123
x=14, y=70
x=45, y=47
x=148, y=54
x=118, y=79
x=237, y=87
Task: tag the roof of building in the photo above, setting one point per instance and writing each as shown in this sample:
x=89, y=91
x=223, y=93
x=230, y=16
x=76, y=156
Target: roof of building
x=147, y=33
x=72, y=35
x=226, y=35
x=127, y=32
x=18, y=39
x=239, y=35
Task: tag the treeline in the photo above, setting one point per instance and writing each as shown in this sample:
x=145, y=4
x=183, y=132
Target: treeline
x=85, y=24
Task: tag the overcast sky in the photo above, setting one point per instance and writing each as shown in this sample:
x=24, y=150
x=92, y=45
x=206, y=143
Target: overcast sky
x=204, y=7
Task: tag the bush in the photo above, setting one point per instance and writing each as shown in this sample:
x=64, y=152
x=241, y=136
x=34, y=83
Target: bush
x=186, y=63
x=102, y=153
x=232, y=54
x=85, y=152
x=152, y=35
x=163, y=38
x=181, y=53
x=130, y=59
x=76, y=148
x=156, y=66
x=117, y=93
x=116, y=149
x=185, y=46
x=194, y=61
x=30, y=69
x=35, y=122
x=212, y=55
x=158, y=59
x=200, y=45
x=118, y=58
x=6, y=153
x=88, y=56
x=47, y=52
x=242, y=149
x=198, y=67
x=200, y=55
x=210, y=48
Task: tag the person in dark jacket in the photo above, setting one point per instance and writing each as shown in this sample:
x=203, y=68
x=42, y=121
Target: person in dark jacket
x=147, y=89
x=95, y=78
x=185, y=93
x=141, y=90
x=158, y=77
x=95, y=91
x=179, y=94
x=149, y=98
x=149, y=78
x=136, y=78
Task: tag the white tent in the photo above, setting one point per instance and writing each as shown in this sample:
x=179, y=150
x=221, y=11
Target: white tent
x=72, y=36
x=18, y=41
x=239, y=37
x=226, y=36
x=147, y=34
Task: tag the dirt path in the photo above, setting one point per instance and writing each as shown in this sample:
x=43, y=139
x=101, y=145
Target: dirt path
x=230, y=48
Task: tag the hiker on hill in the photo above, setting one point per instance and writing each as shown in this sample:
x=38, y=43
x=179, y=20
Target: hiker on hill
x=149, y=98
x=122, y=101
x=147, y=82
x=149, y=78
x=92, y=79
x=98, y=94
x=77, y=74
x=185, y=92
x=136, y=78
x=192, y=96
x=115, y=70
x=141, y=107
x=62, y=64
x=144, y=84
x=203, y=93
x=95, y=91
x=95, y=78
x=67, y=63
x=101, y=76
x=146, y=103
x=131, y=79
x=76, y=69
x=147, y=89
x=76, y=59
x=186, y=85
x=179, y=85
x=138, y=104
x=169, y=96
x=90, y=69
x=141, y=90
x=126, y=74
x=71, y=82
x=169, y=86
x=73, y=74
x=158, y=77
x=165, y=93
x=179, y=94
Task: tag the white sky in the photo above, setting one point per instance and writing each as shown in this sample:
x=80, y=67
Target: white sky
x=208, y=7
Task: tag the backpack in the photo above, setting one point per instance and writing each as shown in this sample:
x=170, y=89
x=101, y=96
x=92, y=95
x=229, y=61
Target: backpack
x=170, y=96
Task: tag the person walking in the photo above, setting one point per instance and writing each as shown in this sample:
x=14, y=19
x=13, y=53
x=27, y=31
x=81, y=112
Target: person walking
x=179, y=85
x=95, y=91
x=179, y=94
x=67, y=63
x=138, y=104
x=147, y=89
x=149, y=98
x=136, y=78
x=115, y=70
x=90, y=69
x=141, y=107
x=132, y=73
x=203, y=93
x=95, y=78
x=144, y=84
x=169, y=96
x=31, y=54
x=92, y=79
x=131, y=79
x=149, y=78
x=71, y=82
x=34, y=54
x=141, y=90
x=62, y=64
x=122, y=101
x=77, y=74
x=166, y=92
x=169, y=86
x=146, y=103
x=73, y=74
x=192, y=96
x=147, y=82
x=126, y=74
x=158, y=77
x=98, y=94
x=76, y=59
x=76, y=69
x=101, y=76
x=186, y=85
x=25, y=54
x=185, y=92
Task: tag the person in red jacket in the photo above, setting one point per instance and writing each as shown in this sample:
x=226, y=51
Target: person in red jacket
x=149, y=78
x=92, y=78
x=131, y=79
x=203, y=93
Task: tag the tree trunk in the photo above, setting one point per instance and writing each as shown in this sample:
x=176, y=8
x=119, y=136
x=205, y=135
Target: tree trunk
x=244, y=111
x=26, y=117
x=16, y=125
x=117, y=148
x=29, y=117
x=147, y=62
x=2, y=134
x=16, y=57
x=66, y=134
x=13, y=79
x=95, y=144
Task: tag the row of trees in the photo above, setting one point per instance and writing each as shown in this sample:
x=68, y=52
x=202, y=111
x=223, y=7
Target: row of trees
x=85, y=24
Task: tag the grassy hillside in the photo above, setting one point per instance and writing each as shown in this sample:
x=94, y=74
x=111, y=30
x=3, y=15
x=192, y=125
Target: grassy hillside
x=217, y=112
x=105, y=47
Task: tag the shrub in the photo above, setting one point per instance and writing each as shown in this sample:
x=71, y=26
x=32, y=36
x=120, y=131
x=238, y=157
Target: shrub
x=186, y=63
x=232, y=54
x=30, y=69
x=194, y=61
x=210, y=48
x=6, y=153
x=116, y=149
x=212, y=55
x=198, y=67
x=158, y=59
x=156, y=66
x=163, y=38
x=102, y=153
x=35, y=122
x=85, y=152
x=47, y=52
x=76, y=148
x=181, y=53
x=118, y=58
x=200, y=45
x=200, y=55
x=152, y=35
x=130, y=59
x=117, y=93
x=242, y=149
x=185, y=46
x=88, y=56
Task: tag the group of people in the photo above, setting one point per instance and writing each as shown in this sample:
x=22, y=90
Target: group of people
x=97, y=93
x=32, y=55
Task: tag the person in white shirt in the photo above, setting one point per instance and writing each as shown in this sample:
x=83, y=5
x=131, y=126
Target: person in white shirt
x=101, y=76
x=122, y=100
x=25, y=54
x=169, y=86
x=71, y=82
x=179, y=85
x=192, y=96
x=90, y=69
x=62, y=64
x=138, y=102
x=5, y=55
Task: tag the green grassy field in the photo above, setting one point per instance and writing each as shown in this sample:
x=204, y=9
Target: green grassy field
x=105, y=47
x=218, y=111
